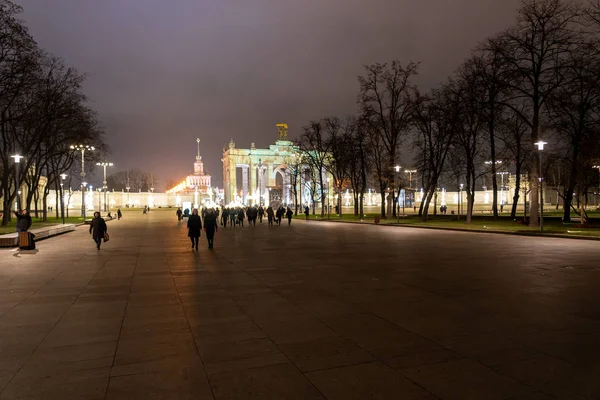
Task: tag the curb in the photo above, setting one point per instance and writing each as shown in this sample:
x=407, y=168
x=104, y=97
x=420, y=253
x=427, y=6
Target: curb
x=534, y=234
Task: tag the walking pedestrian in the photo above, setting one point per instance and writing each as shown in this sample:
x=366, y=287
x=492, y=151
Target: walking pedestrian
x=224, y=217
x=210, y=227
x=194, y=225
x=179, y=214
x=270, y=215
x=241, y=216
x=119, y=214
x=289, y=213
x=98, y=229
x=261, y=213
x=306, y=212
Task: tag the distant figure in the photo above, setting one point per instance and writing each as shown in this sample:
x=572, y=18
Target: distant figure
x=24, y=222
x=306, y=212
x=179, y=214
x=289, y=213
x=240, y=216
x=279, y=214
x=119, y=214
x=145, y=210
x=270, y=215
x=98, y=229
x=261, y=213
x=224, y=217
x=210, y=227
x=194, y=225
x=501, y=207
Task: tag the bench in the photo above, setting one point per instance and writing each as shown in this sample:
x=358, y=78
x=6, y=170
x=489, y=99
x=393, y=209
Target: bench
x=10, y=239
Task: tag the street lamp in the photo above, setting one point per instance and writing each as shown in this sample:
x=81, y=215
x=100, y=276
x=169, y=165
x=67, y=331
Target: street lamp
x=17, y=158
x=598, y=168
x=397, y=168
x=459, y=199
x=540, y=145
x=502, y=185
x=328, y=206
x=82, y=148
x=104, y=165
x=99, y=199
x=62, y=197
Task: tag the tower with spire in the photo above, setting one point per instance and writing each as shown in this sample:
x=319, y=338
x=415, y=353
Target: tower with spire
x=198, y=181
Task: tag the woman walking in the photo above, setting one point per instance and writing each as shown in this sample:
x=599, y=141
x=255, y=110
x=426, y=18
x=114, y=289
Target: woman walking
x=98, y=229
x=194, y=227
x=289, y=213
x=210, y=227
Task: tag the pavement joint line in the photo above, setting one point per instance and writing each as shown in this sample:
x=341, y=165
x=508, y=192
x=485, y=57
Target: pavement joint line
x=267, y=335
x=196, y=265
x=53, y=326
x=122, y=323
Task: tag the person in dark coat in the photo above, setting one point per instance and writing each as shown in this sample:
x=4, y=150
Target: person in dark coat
x=270, y=215
x=225, y=217
x=289, y=213
x=119, y=214
x=98, y=229
x=306, y=212
x=261, y=213
x=179, y=214
x=279, y=214
x=210, y=227
x=241, y=216
x=194, y=227
x=23, y=222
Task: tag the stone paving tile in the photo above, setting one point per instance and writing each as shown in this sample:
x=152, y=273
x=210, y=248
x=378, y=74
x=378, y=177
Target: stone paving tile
x=281, y=381
x=552, y=375
x=325, y=353
x=464, y=379
x=379, y=337
x=365, y=381
x=176, y=378
x=221, y=352
x=86, y=384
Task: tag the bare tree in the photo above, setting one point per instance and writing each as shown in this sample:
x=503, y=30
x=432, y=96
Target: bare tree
x=435, y=121
x=536, y=49
x=386, y=100
x=316, y=150
x=574, y=115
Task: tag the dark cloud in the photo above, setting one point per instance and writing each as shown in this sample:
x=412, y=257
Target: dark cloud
x=162, y=73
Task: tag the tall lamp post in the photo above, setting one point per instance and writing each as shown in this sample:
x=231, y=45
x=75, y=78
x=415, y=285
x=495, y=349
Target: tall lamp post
x=598, y=168
x=105, y=164
x=328, y=206
x=17, y=158
x=397, y=168
x=100, y=198
x=540, y=145
x=82, y=148
x=62, y=197
x=459, y=199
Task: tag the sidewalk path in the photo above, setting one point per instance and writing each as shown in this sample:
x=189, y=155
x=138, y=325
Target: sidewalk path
x=308, y=311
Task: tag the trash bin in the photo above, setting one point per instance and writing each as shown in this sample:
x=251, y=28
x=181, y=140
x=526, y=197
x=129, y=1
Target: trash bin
x=377, y=219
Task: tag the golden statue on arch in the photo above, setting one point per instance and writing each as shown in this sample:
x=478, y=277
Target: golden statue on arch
x=282, y=129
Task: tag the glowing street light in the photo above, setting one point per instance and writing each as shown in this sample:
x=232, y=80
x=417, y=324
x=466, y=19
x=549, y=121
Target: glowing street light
x=17, y=158
x=104, y=165
x=540, y=145
x=82, y=148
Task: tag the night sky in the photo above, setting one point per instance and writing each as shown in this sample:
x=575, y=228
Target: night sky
x=161, y=73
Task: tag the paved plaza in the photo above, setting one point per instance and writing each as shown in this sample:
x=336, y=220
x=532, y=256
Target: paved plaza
x=315, y=310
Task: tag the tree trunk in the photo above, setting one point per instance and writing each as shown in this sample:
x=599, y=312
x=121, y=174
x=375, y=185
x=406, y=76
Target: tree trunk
x=515, y=203
x=493, y=159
